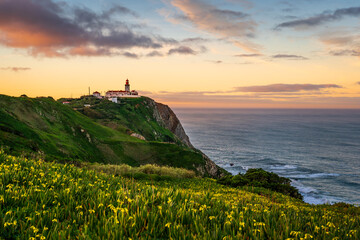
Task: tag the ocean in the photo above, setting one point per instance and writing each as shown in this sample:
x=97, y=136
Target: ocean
x=319, y=150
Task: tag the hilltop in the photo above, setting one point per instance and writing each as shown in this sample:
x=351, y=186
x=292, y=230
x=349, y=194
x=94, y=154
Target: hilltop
x=152, y=120
x=135, y=132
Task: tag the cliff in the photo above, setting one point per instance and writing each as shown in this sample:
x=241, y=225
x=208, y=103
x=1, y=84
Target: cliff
x=167, y=119
x=134, y=132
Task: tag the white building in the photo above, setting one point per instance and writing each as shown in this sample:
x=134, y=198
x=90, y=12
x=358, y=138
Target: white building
x=112, y=94
x=97, y=94
x=121, y=93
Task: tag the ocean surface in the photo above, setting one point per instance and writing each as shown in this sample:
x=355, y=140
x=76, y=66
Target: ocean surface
x=319, y=150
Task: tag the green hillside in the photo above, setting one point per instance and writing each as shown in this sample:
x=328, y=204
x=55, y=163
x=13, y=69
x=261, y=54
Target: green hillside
x=130, y=115
x=43, y=200
x=47, y=128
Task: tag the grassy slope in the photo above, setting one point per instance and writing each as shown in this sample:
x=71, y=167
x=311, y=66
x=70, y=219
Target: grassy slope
x=39, y=199
x=45, y=126
x=131, y=115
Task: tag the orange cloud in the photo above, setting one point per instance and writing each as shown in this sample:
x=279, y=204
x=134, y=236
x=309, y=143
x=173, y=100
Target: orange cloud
x=45, y=28
x=235, y=25
x=286, y=88
x=256, y=100
x=15, y=69
x=21, y=35
x=341, y=43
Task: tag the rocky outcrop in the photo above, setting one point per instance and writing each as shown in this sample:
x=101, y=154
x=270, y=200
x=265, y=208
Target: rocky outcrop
x=136, y=135
x=168, y=119
x=210, y=168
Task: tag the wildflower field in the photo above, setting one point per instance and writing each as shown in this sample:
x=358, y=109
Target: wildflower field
x=43, y=200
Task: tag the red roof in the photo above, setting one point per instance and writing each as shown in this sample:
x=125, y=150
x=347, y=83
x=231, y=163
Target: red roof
x=112, y=91
x=96, y=92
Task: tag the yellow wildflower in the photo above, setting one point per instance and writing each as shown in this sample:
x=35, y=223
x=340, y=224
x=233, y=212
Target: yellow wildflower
x=294, y=233
x=308, y=236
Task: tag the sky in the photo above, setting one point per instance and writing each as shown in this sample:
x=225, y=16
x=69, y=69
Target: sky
x=185, y=53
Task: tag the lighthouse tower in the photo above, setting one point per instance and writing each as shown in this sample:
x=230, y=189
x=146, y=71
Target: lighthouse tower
x=127, y=86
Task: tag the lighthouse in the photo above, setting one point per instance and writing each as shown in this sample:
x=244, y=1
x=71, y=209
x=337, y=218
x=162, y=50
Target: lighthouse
x=127, y=86
x=121, y=93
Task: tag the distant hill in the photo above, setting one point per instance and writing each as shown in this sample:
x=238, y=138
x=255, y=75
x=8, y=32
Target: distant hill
x=99, y=133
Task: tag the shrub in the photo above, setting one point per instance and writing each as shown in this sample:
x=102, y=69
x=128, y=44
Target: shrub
x=258, y=177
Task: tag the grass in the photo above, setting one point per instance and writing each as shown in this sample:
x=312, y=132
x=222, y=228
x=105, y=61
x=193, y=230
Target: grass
x=126, y=170
x=43, y=200
x=47, y=128
x=132, y=115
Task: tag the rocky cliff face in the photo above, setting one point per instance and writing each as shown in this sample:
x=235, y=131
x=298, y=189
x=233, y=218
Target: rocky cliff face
x=168, y=119
x=211, y=168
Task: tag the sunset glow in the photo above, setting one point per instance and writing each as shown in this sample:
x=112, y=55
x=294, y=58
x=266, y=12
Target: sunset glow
x=185, y=53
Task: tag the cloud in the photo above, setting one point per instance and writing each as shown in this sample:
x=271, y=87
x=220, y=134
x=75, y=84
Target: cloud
x=234, y=25
x=345, y=52
x=286, y=88
x=289, y=56
x=342, y=43
x=265, y=90
x=248, y=55
x=195, y=40
x=118, y=9
x=228, y=99
x=339, y=39
x=358, y=83
x=198, y=98
x=321, y=18
x=289, y=9
x=182, y=50
x=15, y=69
x=216, y=61
x=46, y=28
x=89, y=51
x=244, y=3
x=155, y=54
x=229, y=14
x=130, y=55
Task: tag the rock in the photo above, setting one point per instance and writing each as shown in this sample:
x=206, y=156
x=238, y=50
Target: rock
x=210, y=168
x=138, y=136
x=168, y=119
x=88, y=137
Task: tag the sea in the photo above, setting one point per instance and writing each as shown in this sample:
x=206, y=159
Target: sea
x=318, y=149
